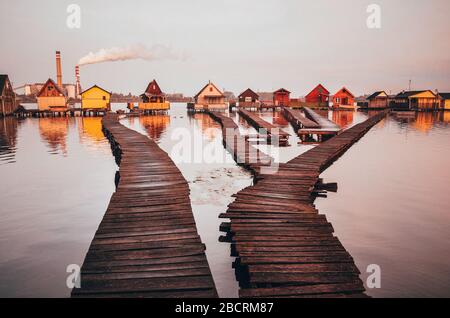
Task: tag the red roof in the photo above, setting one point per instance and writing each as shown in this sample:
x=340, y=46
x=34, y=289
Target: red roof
x=282, y=90
x=50, y=81
x=153, y=89
x=320, y=89
x=345, y=91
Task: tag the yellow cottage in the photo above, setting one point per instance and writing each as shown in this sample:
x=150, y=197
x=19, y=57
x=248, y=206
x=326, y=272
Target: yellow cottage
x=95, y=98
x=416, y=100
x=153, y=99
x=51, y=97
x=445, y=101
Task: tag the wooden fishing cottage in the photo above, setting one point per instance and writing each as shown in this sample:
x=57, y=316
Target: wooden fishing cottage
x=415, y=100
x=153, y=99
x=318, y=97
x=444, y=99
x=95, y=99
x=52, y=98
x=344, y=99
x=379, y=100
x=249, y=99
x=8, y=104
x=281, y=97
x=209, y=98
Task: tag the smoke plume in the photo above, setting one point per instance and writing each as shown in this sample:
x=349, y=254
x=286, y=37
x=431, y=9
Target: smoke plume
x=132, y=52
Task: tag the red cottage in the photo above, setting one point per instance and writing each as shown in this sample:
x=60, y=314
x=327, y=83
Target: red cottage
x=153, y=93
x=281, y=97
x=343, y=98
x=319, y=95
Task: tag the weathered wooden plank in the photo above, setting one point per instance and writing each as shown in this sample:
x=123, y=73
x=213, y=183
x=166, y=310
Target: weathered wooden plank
x=147, y=244
x=284, y=248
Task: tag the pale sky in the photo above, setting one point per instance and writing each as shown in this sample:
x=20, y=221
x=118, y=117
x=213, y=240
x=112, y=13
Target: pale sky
x=264, y=45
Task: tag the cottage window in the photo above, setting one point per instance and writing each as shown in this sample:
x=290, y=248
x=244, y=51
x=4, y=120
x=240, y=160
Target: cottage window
x=210, y=89
x=104, y=97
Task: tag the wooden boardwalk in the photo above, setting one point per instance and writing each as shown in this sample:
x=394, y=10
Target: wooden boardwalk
x=323, y=122
x=284, y=247
x=147, y=244
x=297, y=120
x=271, y=131
x=310, y=124
x=238, y=145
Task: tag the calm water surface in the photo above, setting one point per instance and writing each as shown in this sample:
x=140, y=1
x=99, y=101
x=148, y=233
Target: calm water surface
x=391, y=209
x=57, y=175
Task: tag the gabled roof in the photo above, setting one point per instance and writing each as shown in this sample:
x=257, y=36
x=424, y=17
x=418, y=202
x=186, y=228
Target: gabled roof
x=3, y=79
x=248, y=93
x=444, y=95
x=345, y=90
x=153, y=89
x=50, y=81
x=407, y=94
x=95, y=86
x=204, y=87
x=282, y=90
x=376, y=94
x=321, y=89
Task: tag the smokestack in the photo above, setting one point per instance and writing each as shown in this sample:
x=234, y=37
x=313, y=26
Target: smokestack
x=77, y=77
x=58, y=69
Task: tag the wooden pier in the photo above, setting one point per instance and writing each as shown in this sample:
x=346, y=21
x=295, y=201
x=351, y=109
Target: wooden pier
x=147, y=244
x=239, y=146
x=284, y=247
x=311, y=124
x=297, y=120
x=69, y=112
x=272, y=132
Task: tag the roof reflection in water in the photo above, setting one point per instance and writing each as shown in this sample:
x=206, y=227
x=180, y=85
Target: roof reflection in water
x=54, y=132
x=155, y=125
x=8, y=139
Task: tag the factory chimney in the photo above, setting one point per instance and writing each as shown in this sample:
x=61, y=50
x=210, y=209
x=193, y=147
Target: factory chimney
x=58, y=69
x=77, y=77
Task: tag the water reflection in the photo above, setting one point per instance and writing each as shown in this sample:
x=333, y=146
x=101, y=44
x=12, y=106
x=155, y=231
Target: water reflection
x=54, y=132
x=210, y=128
x=155, y=125
x=91, y=128
x=8, y=139
x=393, y=191
x=422, y=122
x=343, y=118
x=51, y=204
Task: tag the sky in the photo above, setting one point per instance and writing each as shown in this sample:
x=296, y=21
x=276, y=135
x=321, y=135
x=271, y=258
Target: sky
x=264, y=45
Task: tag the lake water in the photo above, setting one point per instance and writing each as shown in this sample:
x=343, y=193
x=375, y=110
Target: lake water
x=57, y=176
x=391, y=208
